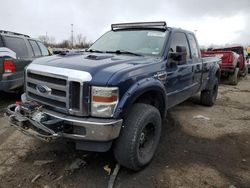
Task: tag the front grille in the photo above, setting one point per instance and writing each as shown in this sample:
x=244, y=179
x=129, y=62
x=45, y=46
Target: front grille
x=48, y=101
x=74, y=99
x=53, y=80
x=63, y=95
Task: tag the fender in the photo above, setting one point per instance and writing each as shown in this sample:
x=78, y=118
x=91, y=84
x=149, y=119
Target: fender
x=136, y=90
x=212, y=75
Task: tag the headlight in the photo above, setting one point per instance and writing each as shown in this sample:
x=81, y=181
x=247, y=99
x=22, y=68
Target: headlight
x=104, y=101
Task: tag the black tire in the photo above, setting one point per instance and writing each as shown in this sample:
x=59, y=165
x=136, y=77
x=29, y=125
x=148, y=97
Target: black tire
x=233, y=78
x=208, y=97
x=245, y=72
x=139, y=137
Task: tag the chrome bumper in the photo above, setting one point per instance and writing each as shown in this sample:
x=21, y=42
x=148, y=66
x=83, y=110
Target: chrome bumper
x=89, y=129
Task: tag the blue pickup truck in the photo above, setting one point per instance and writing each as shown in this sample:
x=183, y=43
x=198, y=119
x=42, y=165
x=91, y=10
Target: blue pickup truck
x=117, y=92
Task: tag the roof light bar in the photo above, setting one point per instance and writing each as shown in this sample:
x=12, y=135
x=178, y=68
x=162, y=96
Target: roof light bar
x=157, y=25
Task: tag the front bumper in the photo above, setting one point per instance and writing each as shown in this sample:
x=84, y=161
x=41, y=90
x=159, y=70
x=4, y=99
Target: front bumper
x=63, y=126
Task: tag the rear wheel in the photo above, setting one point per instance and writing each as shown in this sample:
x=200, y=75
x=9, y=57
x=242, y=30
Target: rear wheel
x=233, y=78
x=245, y=72
x=139, y=137
x=208, y=97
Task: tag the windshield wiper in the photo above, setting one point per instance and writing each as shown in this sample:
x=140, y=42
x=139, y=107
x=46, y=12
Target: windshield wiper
x=95, y=51
x=124, y=52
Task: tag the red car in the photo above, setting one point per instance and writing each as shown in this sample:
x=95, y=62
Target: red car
x=233, y=62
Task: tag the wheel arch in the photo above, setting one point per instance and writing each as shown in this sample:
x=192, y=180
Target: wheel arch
x=148, y=91
x=214, y=73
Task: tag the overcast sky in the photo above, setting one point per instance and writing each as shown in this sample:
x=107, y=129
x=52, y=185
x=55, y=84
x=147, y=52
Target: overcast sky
x=216, y=21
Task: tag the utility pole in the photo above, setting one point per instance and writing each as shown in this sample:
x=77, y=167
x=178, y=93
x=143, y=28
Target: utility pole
x=46, y=39
x=72, y=36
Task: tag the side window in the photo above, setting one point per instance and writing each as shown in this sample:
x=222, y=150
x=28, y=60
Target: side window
x=17, y=45
x=35, y=48
x=44, y=50
x=180, y=39
x=194, y=47
x=1, y=42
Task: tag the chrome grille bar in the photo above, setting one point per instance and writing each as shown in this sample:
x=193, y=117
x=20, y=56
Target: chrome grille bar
x=65, y=88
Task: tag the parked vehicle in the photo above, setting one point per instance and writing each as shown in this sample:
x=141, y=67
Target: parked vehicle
x=16, y=51
x=248, y=65
x=233, y=62
x=60, y=50
x=117, y=92
x=248, y=51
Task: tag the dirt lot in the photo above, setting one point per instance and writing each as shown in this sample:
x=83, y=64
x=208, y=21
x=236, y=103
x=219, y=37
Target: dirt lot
x=200, y=147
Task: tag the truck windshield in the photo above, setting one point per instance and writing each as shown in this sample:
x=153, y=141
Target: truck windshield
x=140, y=42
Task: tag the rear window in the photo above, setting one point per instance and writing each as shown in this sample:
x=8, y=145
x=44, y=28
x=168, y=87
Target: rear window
x=193, y=46
x=35, y=48
x=44, y=50
x=17, y=45
x=1, y=42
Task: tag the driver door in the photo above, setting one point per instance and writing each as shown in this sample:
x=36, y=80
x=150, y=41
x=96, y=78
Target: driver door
x=180, y=72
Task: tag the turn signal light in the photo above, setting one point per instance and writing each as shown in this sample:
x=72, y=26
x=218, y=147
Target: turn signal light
x=105, y=99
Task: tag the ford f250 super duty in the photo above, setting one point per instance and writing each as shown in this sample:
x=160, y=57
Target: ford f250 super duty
x=117, y=92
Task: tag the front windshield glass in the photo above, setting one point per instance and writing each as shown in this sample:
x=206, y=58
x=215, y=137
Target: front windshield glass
x=144, y=42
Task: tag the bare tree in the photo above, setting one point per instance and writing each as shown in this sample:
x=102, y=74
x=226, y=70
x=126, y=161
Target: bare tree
x=44, y=39
x=51, y=40
x=47, y=40
x=80, y=41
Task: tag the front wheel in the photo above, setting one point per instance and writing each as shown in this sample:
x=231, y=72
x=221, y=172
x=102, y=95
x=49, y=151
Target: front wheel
x=208, y=97
x=139, y=137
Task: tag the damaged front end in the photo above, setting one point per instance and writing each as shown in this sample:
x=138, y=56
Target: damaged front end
x=30, y=119
x=33, y=119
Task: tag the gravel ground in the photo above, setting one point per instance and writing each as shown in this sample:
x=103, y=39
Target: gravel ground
x=200, y=147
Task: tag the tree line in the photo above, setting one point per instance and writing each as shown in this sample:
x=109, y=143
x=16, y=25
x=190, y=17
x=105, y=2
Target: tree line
x=79, y=41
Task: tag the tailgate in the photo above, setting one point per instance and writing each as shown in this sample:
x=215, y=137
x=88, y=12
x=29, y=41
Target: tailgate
x=224, y=56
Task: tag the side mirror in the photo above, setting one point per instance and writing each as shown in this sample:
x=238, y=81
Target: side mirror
x=179, y=56
x=181, y=49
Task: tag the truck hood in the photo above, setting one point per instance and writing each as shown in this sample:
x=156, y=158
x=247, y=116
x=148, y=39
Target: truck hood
x=100, y=66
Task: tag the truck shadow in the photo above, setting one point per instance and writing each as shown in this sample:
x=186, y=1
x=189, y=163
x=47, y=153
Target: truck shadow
x=7, y=99
x=177, y=151
x=9, y=96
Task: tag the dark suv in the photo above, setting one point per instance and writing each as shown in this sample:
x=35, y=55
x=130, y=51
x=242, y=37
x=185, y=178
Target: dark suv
x=17, y=51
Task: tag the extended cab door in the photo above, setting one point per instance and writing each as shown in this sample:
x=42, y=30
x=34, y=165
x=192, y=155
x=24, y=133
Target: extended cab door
x=180, y=72
x=196, y=62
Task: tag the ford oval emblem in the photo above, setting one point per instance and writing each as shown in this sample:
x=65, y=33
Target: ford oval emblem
x=43, y=89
